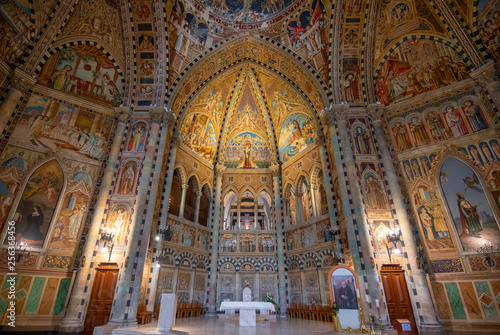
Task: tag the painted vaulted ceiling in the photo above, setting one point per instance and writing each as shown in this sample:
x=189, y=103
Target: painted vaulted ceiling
x=248, y=74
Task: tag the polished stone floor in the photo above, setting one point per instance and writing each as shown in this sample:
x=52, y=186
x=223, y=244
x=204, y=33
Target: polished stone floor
x=215, y=326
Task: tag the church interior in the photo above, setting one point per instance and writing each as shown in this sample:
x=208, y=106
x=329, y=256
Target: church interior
x=336, y=157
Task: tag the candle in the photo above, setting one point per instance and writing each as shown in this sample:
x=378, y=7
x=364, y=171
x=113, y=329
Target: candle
x=357, y=293
x=368, y=298
x=377, y=303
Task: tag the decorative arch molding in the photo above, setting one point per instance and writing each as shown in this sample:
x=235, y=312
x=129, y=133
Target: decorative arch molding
x=75, y=40
x=300, y=179
x=196, y=181
x=265, y=260
x=265, y=189
x=228, y=190
x=188, y=255
x=287, y=190
x=295, y=258
x=258, y=41
x=314, y=173
x=172, y=253
x=246, y=189
x=182, y=173
x=248, y=260
x=313, y=256
x=233, y=261
x=201, y=258
x=208, y=190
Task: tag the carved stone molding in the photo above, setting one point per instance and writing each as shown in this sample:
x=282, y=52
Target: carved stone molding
x=123, y=114
x=319, y=139
x=156, y=114
x=176, y=138
x=184, y=186
x=22, y=81
x=488, y=74
x=168, y=119
x=219, y=170
x=340, y=112
x=327, y=116
x=275, y=170
x=375, y=112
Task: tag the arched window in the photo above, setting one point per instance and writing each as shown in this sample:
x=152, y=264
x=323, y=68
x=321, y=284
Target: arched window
x=174, y=202
x=230, y=211
x=322, y=203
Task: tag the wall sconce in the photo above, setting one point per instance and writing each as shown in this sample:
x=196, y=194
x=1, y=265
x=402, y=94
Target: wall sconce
x=487, y=249
x=393, y=237
x=107, y=238
x=22, y=252
x=161, y=257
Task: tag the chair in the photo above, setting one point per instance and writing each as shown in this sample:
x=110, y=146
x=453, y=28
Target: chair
x=143, y=316
x=289, y=311
x=157, y=311
x=301, y=311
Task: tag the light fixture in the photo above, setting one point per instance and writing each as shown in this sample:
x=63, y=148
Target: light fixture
x=487, y=249
x=107, y=238
x=393, y=237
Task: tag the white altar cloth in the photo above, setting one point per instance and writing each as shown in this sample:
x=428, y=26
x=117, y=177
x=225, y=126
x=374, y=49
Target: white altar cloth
x=247, y=310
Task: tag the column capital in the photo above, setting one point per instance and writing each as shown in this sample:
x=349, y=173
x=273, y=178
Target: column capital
x=487, y=74
x=275, y=170
x=340, y=112
x=319, y=139
x=176, y=138
x=219, y=170
x=184, y=186
x=168, y=118
x=123, y=114
x=375, y=112
x=22, y=81
x=298, y=194
x=156, y=114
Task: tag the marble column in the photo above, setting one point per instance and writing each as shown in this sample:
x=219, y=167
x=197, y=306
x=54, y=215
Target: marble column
x=20, y=84
x=75, y=312
x=256, y=214
x=214, y=247
x=328, y=182
x=126, y=297
x=280, y=237
x=314, y=190
x=299, y=208
x=197, y=207
x=429, y=322
x=286, y=212
x=488, y=77
x=359, y=249
x=183, y=200
x=238, y=205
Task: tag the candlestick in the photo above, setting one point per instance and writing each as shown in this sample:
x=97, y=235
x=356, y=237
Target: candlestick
x=372, y=330
x=380, y=321
x=368, y=300
x=362, y=325
x=357, y=293
x=377, y=303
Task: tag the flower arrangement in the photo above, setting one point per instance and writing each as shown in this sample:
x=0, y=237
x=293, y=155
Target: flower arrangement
x=269, y=298
x=334, y=309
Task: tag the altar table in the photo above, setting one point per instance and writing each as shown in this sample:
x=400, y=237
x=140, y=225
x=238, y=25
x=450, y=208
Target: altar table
x=248, y=317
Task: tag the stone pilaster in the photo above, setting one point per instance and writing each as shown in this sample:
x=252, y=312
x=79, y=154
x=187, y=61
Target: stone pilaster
x=76, y=310
x=183, y=200
x=419, y=282
x=280, y=237
x=126, y=298
x=214, y=247
x=20, y=84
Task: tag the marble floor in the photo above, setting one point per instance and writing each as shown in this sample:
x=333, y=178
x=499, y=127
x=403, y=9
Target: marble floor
x=215, y=326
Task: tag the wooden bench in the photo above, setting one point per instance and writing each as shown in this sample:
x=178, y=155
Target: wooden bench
x=143, y=315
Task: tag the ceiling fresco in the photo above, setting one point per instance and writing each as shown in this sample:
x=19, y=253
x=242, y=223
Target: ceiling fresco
x=256, y=102
x=246, y=10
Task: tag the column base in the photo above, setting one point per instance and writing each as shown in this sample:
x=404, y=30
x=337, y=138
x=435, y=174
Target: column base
x=70, y=326
x=123, y=323
x=434, y=329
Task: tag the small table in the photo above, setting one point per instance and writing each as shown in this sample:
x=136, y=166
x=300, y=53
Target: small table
x=248, y=317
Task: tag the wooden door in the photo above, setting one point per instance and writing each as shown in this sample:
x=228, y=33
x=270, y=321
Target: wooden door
x=101, y=297
x=396, y=294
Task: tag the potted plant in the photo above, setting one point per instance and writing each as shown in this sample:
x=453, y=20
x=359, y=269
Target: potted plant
x=269, y=298
x=335, y=310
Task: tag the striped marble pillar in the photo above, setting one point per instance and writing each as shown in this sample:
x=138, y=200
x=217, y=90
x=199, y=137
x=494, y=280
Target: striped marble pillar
x=328, y=182
x=357, y=231
x=77, y=305
x=126, y=297
x=421, y=297
x=20, y=83
x=280, y=239
x=214, y=247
